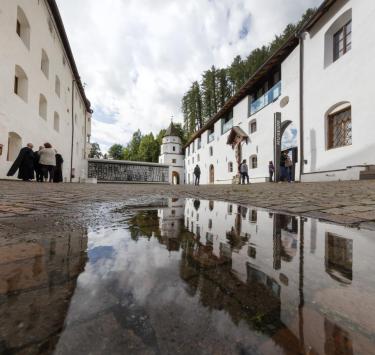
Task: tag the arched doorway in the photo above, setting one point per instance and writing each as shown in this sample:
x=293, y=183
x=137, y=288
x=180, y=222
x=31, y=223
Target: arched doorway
x=289, y=143
x=212, y=174
x=175, y=178
x=14, y=146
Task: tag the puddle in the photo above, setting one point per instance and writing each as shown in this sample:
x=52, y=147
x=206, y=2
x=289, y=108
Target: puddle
x=191, y=277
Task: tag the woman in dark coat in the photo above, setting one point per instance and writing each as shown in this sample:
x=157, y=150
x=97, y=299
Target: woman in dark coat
x=58, y=169
x=24, y=164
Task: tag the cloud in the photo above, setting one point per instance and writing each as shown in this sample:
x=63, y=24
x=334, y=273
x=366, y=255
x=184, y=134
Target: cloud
x=138, y=57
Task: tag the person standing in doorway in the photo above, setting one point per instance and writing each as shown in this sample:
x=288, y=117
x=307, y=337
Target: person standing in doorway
x=58, y=176
x=24, y=164
x=288, y=168
x=271, y=170
x=244, y=171
x=197, y=174
x=48, y=161
x=283, y=158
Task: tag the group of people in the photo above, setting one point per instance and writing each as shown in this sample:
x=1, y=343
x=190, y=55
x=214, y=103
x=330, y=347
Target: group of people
x=42, y=165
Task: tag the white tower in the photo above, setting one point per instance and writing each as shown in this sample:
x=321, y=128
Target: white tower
x=171, y=154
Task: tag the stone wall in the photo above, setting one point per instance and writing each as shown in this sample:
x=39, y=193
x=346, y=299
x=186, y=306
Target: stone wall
x=127, y=171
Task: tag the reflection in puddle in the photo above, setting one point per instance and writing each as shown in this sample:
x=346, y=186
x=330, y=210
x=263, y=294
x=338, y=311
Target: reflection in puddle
x=194, y=276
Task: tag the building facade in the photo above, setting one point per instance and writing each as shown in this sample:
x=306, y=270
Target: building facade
x=311, y=98
x=42, y=98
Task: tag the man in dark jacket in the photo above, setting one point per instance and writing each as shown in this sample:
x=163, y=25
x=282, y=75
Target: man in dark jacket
x=24, y=164
x=37, y=166
x=197, y=173
x=58, y=176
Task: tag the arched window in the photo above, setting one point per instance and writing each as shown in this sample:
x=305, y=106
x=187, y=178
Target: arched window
x=338, y=38
x=23, y=27
x=253, y=162
x=230, y=167
x=42, y=106
x=56, y=122
x=14, y=146
x=211, y=151
x=57, y=86
x=339, y=125
x=44, y=64
x=252, y=126
x=21, y=83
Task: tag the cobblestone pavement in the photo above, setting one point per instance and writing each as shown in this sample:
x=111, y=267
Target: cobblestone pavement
x=338, y=202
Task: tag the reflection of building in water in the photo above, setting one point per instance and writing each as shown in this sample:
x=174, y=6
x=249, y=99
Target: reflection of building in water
x=268, y=250
x=339, y=258
x=37, y=281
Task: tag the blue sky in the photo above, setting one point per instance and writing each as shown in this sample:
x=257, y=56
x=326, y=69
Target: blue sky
x=138, y=57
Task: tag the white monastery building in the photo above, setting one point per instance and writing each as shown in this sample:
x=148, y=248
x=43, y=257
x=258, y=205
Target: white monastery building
x=317, y=87
x=42, y=98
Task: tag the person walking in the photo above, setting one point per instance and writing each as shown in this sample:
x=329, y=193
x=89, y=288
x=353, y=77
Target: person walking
x=58, y=176
x=244, y=171
x=271, y=170
x=47, y=159
x=24, y=164
x=37, y=166
x=288, y=168
x=282, y=166
x=197, y=174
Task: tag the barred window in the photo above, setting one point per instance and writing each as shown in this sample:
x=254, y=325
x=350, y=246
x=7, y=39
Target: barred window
x=342, y=41
x=340, y=128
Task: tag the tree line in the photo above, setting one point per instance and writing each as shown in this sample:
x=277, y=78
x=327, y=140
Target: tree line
x=206, y=96
x=142, y=147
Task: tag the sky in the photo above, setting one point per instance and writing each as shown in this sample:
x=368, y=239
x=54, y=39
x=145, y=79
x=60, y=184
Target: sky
x=138, y=57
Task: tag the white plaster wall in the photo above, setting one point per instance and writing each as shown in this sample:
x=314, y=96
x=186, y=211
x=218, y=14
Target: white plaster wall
x=22, y=117
x=347, y=79
x=260, y=142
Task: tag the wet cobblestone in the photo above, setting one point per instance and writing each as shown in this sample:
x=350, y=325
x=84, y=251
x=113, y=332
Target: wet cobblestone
x=350, y=202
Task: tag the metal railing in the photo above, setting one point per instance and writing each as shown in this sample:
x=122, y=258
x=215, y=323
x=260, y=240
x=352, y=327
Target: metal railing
x=270, y=96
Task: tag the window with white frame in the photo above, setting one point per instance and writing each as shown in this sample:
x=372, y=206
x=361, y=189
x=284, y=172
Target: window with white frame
x=252, y=126
x=23, y=27
x=253, y=162
x=230, y=167
x=21, y=83
x=44, y=64
x=42, y=106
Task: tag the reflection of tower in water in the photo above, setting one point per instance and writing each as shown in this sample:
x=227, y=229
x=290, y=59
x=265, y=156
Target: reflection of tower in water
x=171, y=223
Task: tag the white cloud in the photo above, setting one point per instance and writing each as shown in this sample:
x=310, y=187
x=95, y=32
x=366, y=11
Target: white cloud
x=138, y=57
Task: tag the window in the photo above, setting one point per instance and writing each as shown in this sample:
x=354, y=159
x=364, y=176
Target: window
x=211, y=135
x=20, y=83
x=44, y=64
x=174, y=148
x=230, y=167
x=340, y=128
x=253, y=126
x=14, y=146
x=254, y=161
x=338, y=38
x=57, y=86
x=56, y=122
x=42, y=106
x=342, y=41
x=23, y=27
x=209, y=223
x=211, y=151
x=227, y=122
x=199, y=143
x=253, y=216
x=198, y=158
x=173, y=161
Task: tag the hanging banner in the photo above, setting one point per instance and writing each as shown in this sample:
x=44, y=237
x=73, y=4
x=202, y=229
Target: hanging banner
x=277, y=144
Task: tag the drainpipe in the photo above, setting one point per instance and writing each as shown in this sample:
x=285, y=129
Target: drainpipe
x=72, y=147
x=301, y=104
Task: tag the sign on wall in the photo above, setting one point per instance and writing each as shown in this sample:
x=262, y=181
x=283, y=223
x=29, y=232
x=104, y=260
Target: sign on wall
x=277, y=144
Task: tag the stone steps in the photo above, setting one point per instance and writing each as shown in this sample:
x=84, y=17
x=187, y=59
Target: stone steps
x=368, y=174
